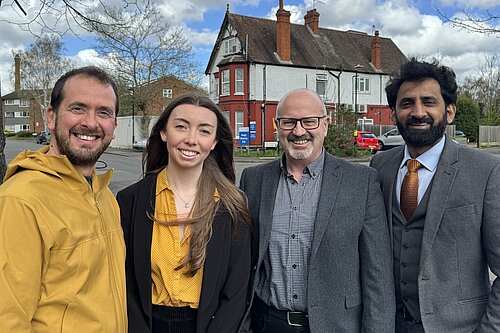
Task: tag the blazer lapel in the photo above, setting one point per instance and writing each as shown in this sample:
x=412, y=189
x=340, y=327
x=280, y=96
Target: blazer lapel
x=389, y=172
x=440, y=193
x=330, y=185
x=211, y=267
x=269, y=186
x=142, y=237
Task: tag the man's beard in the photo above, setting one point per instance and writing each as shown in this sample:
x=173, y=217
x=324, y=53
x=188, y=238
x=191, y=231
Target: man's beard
x=415, y=137
x=80, y=156
x=300, y=154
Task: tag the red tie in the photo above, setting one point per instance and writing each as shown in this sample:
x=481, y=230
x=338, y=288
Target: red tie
x=409, y=190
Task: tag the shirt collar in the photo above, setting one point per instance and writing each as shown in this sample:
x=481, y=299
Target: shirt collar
x=162, y=182
x=314, y=168
x=430, y=158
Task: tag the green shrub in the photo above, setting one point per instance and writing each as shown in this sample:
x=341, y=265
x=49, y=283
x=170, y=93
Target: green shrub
x=256, y=153
x=24, y=134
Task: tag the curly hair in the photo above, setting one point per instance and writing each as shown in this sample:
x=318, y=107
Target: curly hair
x=415, y=71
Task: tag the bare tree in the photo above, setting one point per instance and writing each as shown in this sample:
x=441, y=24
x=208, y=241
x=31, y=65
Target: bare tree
x=41, y=65
x=143, y=49
x=485, y=88
x=484, y=23
x=56, y=16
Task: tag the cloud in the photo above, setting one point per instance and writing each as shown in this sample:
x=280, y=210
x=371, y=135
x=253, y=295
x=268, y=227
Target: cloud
x=412, y=24
x=88, y=57
x=470, y=4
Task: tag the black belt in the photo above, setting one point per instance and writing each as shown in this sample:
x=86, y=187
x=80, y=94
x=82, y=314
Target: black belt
x=407, y=315
x=292, y=318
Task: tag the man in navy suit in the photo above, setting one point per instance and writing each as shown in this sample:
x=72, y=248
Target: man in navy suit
x=442, y=249
x=322, y=260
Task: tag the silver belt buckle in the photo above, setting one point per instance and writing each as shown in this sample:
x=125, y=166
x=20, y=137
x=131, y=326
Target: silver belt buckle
x=288, y=319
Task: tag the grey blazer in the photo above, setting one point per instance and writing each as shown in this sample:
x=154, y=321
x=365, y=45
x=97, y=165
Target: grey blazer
x=350, y=281
x=461, y=238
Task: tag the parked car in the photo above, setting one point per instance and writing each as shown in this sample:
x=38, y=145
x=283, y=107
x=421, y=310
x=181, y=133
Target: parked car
x=459, y=133
x=140, y=145
x=43, y=138
x=390, y=139
x=366, y=140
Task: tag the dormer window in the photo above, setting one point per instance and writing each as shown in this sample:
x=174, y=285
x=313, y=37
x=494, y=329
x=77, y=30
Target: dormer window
x=229, y=45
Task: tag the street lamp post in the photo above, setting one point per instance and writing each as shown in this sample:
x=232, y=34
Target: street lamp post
x=356, y=86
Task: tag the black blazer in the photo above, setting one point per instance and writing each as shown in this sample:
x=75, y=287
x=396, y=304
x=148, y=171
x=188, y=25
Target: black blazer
x=226, y=269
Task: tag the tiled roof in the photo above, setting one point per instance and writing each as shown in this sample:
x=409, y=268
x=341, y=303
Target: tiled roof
x=330, y=49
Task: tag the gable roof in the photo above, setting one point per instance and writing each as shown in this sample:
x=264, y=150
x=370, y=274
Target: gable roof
x=330, y=49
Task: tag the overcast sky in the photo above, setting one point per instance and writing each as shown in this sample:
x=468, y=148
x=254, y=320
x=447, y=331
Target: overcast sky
x=415, y=26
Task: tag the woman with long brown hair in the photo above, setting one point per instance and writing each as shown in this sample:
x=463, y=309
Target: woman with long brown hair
x=186, y=226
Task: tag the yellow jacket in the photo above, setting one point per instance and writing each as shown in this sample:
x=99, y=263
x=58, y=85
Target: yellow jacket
x=62, y=254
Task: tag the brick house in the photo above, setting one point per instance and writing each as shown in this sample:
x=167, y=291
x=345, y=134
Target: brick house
x=157, y=94
x=152, y=98
x=255, y=61
x=22, y=109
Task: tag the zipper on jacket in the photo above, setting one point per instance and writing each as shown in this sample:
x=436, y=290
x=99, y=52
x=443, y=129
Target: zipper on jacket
x=111, y=260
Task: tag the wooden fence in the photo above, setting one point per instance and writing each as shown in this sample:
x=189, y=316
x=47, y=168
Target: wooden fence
x=489, y=136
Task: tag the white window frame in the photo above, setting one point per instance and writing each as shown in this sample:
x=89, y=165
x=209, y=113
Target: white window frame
x=361, y=108
x=238, y=122
x=24, y=103
x=167, y=93
x=239, y=83
x=225, y=82
x=321, y=80
x=363, y=84
x=230, y=45
x=21, y=114
x=11, y=102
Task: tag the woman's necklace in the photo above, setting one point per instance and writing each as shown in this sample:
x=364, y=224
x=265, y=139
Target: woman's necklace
x=186, y=203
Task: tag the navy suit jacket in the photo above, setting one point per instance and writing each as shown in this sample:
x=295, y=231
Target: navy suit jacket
x=225, y=272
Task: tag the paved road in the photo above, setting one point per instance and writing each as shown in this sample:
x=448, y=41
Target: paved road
x=126, y=163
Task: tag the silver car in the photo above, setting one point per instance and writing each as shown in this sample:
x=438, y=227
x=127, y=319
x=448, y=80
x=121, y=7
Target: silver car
x=390, y=139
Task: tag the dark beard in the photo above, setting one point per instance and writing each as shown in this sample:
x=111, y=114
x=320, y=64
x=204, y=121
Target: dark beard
x=422, y=138
x=78, y=157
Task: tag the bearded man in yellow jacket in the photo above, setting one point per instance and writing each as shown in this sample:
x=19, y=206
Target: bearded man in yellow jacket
x=62, y=253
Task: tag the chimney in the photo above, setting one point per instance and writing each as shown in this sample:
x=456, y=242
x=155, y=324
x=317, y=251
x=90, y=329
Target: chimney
x=376, y=50
x=312, y=20
x=283, y=33
x=17, y=72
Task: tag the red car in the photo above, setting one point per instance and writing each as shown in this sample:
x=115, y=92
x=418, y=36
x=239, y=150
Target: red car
x=366, y=140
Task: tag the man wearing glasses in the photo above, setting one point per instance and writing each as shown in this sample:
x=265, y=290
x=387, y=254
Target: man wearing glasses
x=322, y=258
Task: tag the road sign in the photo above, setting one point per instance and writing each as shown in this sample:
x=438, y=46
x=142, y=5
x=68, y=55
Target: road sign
x=253, y=130
x=244, y=135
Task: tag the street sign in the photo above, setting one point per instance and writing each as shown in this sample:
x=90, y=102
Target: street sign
x=253, y=130
x=243, y=134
